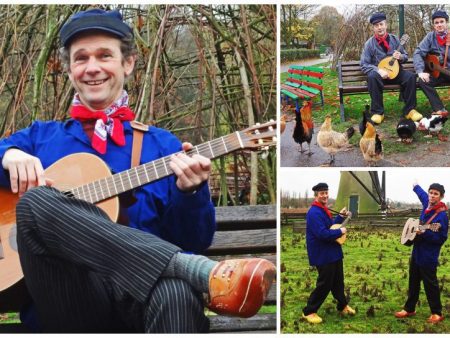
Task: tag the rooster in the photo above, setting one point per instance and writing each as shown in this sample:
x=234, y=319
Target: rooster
x=304, y=126
x=370, y=145
x=332, y=141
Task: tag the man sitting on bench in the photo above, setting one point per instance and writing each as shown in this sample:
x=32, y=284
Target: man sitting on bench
x=433, y=43
x=378, y=47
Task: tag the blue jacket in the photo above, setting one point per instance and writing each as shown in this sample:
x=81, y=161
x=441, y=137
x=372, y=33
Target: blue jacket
x=427, y=246
x=185, y=220
x=320, y=240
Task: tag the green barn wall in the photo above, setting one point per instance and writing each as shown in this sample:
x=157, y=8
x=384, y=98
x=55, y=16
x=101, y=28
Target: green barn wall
x=349, y=186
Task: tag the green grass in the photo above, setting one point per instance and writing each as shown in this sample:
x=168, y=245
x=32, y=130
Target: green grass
x=355, y=105
x=376, y=282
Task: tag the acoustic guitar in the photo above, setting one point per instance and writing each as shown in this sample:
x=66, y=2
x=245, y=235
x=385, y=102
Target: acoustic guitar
x=391, y=64
x=434, y=66
x=411, y=227
x=85, y=176
x=341, y=240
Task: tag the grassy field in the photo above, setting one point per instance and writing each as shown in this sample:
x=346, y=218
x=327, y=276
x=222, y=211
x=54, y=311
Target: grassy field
x=355, y=105
x=376, y=282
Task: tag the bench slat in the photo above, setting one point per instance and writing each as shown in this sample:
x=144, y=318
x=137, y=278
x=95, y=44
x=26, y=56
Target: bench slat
x=257, y=322
x=245, y=240
x=247, y=213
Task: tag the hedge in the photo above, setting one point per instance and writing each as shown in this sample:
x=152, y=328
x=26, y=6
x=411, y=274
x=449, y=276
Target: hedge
x=298, y=54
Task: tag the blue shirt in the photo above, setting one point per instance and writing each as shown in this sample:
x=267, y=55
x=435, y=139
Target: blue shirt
x=427, y=246
x=186, y=220
x=429, y=44
x=320, y=240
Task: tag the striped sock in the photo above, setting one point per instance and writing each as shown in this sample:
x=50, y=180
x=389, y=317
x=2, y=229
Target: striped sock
x=194, y=269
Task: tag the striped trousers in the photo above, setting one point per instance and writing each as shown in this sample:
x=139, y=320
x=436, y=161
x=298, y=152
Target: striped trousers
x=86, y=273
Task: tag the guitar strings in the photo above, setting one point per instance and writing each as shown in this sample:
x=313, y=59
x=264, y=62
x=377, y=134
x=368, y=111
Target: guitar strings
x=151, y=171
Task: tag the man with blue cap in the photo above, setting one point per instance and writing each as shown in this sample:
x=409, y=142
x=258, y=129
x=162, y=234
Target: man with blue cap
x=326, y=255
x=86, y=273
x=425, y=254
x=381, y=45
x=434, y=43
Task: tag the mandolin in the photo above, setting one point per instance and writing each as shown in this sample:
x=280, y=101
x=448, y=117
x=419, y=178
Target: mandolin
x=85, y=176
x=341, y=240
x=391, y=64
x=411, y=227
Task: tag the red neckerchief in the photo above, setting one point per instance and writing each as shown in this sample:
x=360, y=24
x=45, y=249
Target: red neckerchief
x=104, y=124
x=383, y=41
x=436, y=207
x=324, y=207
x=441, y=39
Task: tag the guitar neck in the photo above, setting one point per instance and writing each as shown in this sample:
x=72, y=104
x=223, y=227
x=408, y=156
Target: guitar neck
x=428, y=226
x=346, y=220
x=152, y=171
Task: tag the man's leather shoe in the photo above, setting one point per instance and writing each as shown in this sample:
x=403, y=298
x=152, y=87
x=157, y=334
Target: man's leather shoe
x=377, y=118
x=238, y=287
x=312, y=318
x=434, y=319
x=348, y=311
x=404, y=314
x=414, y=115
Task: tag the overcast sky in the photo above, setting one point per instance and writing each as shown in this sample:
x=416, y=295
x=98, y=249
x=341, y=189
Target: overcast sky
x=399, y=181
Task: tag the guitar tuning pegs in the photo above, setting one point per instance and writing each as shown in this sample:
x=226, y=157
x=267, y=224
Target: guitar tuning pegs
x=257, y=124
x=270, y=128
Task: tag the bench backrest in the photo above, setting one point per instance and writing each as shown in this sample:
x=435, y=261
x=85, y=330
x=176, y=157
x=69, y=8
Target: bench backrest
x=350, y=72
x=307, y=76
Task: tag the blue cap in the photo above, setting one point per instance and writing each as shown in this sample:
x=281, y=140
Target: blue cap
x=320, y=187
x=437, y=186
x=377, y=17
x=439, y=14
x=98, y=19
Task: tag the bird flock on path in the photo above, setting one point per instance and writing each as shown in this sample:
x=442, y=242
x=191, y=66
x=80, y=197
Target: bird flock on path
x=370, y=144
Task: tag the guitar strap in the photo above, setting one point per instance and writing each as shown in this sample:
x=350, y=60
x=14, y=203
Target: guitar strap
x=138, y=135
x=435, y=214
x=447, y=43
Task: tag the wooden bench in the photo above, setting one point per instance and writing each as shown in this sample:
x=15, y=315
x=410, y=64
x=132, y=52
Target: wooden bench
x=303, y=83
x=353, y=81
x=243, y=231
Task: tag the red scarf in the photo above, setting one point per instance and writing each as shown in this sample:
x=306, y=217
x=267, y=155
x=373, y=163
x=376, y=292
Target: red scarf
x=441, y=39
x=324, y=207
x=382, y=41
x=435, y=207
x=105, y=124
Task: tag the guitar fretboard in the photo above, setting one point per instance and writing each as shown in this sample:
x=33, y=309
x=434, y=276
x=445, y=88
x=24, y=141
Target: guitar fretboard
x=152, y=171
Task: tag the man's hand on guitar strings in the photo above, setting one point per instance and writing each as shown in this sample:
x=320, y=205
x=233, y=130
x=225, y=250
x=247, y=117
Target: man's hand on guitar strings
x=190, y=171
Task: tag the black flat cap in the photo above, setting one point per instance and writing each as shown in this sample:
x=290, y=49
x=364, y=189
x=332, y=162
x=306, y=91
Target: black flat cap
x=94, y=19
x=377, y=17
x=438, y=187
x=320, y=187
x=439, y=14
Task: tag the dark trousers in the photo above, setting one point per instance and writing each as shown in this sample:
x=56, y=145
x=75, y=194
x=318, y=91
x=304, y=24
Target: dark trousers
x=431, y=286
x=376, y=83
x=431, y=93
x=88, y=274
x=331, y=278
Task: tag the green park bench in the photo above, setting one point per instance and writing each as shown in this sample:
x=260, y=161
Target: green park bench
x=242, y=231
x=303, y=83
x=353, y=81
